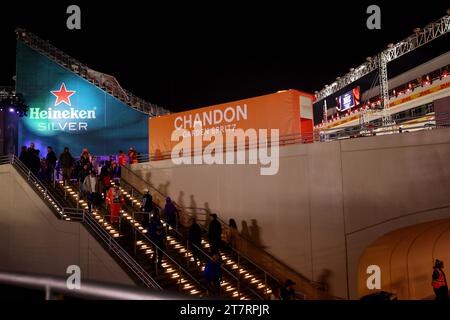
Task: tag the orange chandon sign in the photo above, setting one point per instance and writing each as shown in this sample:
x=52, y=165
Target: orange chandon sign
x=288, y=111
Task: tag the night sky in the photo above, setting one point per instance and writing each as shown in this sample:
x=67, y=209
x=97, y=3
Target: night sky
x=193, y=54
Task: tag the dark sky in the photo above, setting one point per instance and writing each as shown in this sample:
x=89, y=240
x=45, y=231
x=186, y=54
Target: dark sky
x=192, y=54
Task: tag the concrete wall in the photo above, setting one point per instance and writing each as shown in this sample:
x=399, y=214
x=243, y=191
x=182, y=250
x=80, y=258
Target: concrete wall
x=328, y=202
x=33, y=240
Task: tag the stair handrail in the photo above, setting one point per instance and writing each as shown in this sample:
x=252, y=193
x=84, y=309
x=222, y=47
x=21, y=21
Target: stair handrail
x=181, y=268
x=86, y=219
x=120, y=252
x=198, y=249
x=88, y=290
x=314, y=284
x=228, y=272
x=31, y=178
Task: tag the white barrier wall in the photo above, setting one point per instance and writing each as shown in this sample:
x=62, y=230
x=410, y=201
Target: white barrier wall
x=328, y=202
x=33, y=240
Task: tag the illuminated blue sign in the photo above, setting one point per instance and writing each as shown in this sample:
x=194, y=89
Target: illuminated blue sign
x=67, y=110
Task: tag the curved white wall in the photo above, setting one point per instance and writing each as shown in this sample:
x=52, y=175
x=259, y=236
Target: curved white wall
x=328, y=202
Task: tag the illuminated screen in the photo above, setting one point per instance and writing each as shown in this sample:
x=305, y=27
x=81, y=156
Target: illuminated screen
x=67, y=110
x=348, y=100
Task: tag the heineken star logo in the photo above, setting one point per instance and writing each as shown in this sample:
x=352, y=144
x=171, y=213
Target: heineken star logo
x=63, y=95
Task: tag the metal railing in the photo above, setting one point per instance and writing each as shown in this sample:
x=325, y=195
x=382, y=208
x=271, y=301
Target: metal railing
x=157, y=248
x=242, y=243
x=103, y=81
x=200, y=250
x=42, y=191
x=239, y=285
x=241, y=257
x=124, y=256
x=185, y=217
x=80, y=215
x=318, y=135
x=53, y=286
x=6, y=90
x=113, y=246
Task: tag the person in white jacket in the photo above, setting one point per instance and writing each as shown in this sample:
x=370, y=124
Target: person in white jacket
x=90, y=188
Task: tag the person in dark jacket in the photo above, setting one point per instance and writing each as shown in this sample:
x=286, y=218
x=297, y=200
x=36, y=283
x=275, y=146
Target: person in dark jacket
x=171, y=213
x=195, y=240
x=51, y=163
x=288, y=291
x=31, y=149
x=84, y=172
x=66, y=162
x=147, y=207
x=85, y=158
x=214, y=234
x=34, y=163
x=24, y=156
x=105, y=177
x=160, y=241
x=213, y=274
x=132, y=156
x=155, y=221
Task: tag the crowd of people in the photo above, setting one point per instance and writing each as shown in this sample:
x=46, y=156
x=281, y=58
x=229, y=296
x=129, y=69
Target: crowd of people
x=92, y=174
x=71, y=168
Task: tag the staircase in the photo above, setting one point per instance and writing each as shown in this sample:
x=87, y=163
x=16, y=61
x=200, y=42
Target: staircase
x=179, y=271
x=65, y=203
x=131, y=247
x=132, y=238
x=242, y=279
x=247, y=264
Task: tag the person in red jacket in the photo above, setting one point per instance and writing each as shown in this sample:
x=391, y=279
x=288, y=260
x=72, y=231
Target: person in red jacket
x=114, y=200
x=122, y=162
x=122, y=159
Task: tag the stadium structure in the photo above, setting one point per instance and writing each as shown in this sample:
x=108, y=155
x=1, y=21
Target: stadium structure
x=363, y=180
